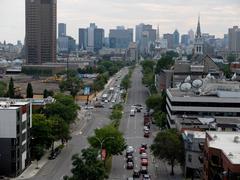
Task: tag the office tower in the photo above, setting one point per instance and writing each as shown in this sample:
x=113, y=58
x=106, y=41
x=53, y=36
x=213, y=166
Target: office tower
x=66, y=44
x=198, y=42
x=90, y=39
x=71, y=44
x=191, y=36
x=175, y=38
x=185, y=39
x=82, y=36
x=98, y=39
x=234, y=38
x=143, y=28
x=169, y=38
x=15, y=136
x=61, y=29
x=120, y=37
x=40, y=31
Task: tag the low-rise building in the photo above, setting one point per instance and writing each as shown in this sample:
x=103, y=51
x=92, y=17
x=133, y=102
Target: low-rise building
x=212, y=98
x=222, y=156
x=15, y=136
x=193, y=143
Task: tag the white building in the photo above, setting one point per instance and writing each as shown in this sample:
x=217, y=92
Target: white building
x=207, y=99
x=15, y=127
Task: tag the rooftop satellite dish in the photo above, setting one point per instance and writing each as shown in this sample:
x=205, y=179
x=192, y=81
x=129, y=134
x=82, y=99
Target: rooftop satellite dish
x=185, y=87
x=197, y=83
x=209, y=76
x=188, y=78
x=234, y=77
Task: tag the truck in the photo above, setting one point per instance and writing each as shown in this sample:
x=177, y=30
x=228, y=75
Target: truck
x=147, y=119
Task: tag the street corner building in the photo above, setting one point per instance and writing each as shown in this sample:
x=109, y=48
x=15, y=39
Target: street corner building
x=15, y=136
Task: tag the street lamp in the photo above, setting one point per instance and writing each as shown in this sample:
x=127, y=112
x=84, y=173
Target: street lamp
x=102, y=141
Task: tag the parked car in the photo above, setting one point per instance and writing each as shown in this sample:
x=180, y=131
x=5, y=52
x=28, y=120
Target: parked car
x=130, y=149
x=129, y=158
x=132, y=112
x=130, y=165
x=146, y=133
x=54, y=154
x=136, y=173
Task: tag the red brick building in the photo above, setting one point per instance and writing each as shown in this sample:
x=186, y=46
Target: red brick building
x=222, y=156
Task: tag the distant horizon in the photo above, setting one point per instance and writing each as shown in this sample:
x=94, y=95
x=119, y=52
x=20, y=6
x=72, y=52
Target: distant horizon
x=216, y=16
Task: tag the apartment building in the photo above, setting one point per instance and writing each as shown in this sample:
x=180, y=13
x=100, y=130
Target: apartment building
x=15, y=136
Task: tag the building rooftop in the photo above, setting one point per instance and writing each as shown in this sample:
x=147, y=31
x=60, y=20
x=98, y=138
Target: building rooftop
x=195, y=134
x=210, y=87
x=228, y=142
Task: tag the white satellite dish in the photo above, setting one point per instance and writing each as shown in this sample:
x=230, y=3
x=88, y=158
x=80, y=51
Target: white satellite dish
x=209, y=76
x=234, y=77
x=188, y=79
x=197, y=83
x=185, y=87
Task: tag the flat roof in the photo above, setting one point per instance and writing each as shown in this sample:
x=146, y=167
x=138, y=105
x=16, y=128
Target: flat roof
x=225, y=142
x=196, y=134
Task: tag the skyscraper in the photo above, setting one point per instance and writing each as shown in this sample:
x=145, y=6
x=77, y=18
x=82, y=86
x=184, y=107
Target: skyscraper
x=234, y=38
x=191, y=36
x=120, y=37
x=185, y=39
x=82, y=36
x=61, y=29
x=169, y=38
x=90, y=39
x=98, y=39
x=40, y=31
x=175, y=38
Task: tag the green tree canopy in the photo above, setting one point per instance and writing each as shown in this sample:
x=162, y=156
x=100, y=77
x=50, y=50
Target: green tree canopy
x=29, y=91
x=11, y=92
x=168, y=146
x=113, y=140
x=72, y=84
x=3, y=88
x=164, y=63
x=87, y=167
x=160, y=119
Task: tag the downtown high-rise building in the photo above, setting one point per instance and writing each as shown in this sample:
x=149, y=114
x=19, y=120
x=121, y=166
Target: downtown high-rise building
x=120, y=37
x=40, y=31
x=234, y=38
x=62, y=29
x=170, y=41
x=82, y=39
x=176, y=37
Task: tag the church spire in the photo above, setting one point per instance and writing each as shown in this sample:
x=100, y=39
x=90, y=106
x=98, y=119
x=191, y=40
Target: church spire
x=198, y=33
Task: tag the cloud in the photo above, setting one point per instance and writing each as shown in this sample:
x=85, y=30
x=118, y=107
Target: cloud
x=216, y=15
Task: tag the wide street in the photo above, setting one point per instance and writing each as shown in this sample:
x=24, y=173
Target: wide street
x=132, y=128
x=92, y=119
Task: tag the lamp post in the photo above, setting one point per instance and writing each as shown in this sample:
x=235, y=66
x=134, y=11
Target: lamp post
x=102, y=141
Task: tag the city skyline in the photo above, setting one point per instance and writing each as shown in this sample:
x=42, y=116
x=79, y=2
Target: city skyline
x=216, y=16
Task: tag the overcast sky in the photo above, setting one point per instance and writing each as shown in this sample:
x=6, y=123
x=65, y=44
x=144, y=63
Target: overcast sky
x=216, y=15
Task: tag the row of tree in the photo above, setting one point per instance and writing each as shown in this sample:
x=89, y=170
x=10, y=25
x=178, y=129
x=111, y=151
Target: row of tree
x=52, y=124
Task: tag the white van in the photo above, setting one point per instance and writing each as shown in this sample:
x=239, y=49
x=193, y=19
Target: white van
x=132, y=112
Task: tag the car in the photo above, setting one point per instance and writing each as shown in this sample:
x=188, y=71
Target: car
x=144, y=156
x=145, y=128
x=144, y=145
x=130, y=165
x=136, y=173
x=142, y=150
x=132, y=112
x=88, y=107
x=111, y=106
x=146, y=177
x=146, y=134
x=130, y=178
x=129, y=158
x=98, y=105
x=130, y=149
x=144, y=162
x=144, y=170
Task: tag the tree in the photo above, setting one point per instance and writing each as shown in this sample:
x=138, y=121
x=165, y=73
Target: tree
x=112, y=140
x=231, y=58
x=41, y=131
x=154, y=101
x=11, y=92
x=72, y=84
x=3, y=87
x=164, y=63
x=116, y=114
x=38, y=152
x=29, y=91
x=160, y=119
x=87, y=167
x=47, y=93
x=60, y=129
x=64, y=106
x=168, y=146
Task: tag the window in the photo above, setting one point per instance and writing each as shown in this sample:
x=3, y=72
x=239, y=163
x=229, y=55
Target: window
x=189, y=158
